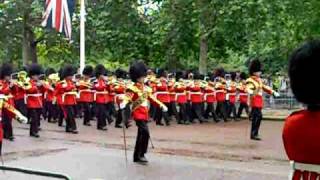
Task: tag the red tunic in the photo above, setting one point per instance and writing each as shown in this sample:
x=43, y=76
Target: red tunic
x=257, y=86
x=300, y=135
x=18, y=92
x=220, y=92
x=181, y=94
x=243, y=95
x=162, y=92
x=34, y=96
x=119, y=90
x=141, y=112
x=195, y=93
x=101, y=95
x=66, y=93
x=232, y=90
x=6, y=90
x=209, y=96
x=85, y=93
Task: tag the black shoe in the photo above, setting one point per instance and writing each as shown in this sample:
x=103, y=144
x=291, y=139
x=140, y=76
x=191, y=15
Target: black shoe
x=110, y=121
x=102, y=128
x=118, y=126
x=187, y=123
x=160, y=124
x=74, y=132
x=255, y=138
x=139, y=161
x=167, y=124
x=87, y=124
x=11, y=138
x=35, y=135
x=180, y=122
x=128, y=125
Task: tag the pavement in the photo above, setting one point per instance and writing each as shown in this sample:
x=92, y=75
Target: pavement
x=206, y=151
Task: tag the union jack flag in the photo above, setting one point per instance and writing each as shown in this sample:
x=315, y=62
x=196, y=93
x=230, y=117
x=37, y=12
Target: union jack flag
x=58, y=15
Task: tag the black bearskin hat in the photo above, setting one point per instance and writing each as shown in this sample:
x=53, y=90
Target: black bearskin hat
x=255, y=66
x=68, y=70
x=100, y=70
x=5, y=70
x=120, y=73
x=35, y=69
x=303, y=71
x=219, y=72
x=179, y=75
x=233, y=76
x=161, y=73
x=137, y=70
x=243, y=76
x=88, y=70
x=49, y=71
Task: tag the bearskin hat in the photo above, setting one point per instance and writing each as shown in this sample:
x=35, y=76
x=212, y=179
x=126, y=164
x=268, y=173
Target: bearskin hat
x=68, y=70
x=6, y=70
x=219, y=72
x=161, y=73
x=88, y=70
x=35, y=69
x=255, y=66
x=179, y=75
x=100, y=70
x=49, y=71
x=303, y=71
x=233, y=76
x=137, y=70
x=243, y=76
x=120, y=73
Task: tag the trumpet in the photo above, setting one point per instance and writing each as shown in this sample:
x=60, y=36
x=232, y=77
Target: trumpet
x=21, y=80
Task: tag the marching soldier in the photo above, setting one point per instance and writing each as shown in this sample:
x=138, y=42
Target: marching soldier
x=181, y=99
x=19, y=93
x=196, y=98
x=5, y=90
x=86, y=94
x=139, y=95
x=301, y=129
x=232, y=94
x=243, y=95
x=34, y=101
x=50, y=109
x=101, y=98
x=255, y=88
x=210, y=99
x=220, y=87
x=68, y=91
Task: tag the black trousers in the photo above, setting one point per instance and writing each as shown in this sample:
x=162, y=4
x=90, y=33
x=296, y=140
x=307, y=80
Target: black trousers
x=110, y=111
x=34, y=115
x=7, y=124
x=210, y=109
x=142, y=140
x=101, y=115
x=21, y=106
x=120, y=119
x=70, y=117
x=232, y=109
x=60, y=115
x=197, y=110
x=51, y=111
x=160, y=114
x=172, y=109
x=182, y=114
x=221, y=110
x=243, y=106
x=152, y=111
x=256, y=117
x=189, y=111
x=86, y=108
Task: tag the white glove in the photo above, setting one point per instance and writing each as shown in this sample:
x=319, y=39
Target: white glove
x=22, y=119
x=276, y=94
x=122, y=105
x=164, y=108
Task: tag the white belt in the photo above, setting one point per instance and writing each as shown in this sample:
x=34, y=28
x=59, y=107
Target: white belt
x=31, y=95
x=232, y=94
x=161, y=93
x=99, y=92
x=69, y=93
x=243, y=94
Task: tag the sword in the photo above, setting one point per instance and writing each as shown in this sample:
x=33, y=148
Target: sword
x=123, y=117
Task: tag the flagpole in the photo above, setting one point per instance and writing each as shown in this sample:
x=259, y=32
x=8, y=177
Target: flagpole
x=82, y=35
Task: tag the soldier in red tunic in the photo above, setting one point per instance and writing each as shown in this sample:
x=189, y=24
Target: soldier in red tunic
x=140, y=95
x=34, y=98
x=196, y=98
x=232, y=94
x=243, y=95
x=18, y=91
x=101, y=97
x=210, y=99
x=6, y=90
x=68, y=94
x=181, y=99
x=86, y=94
x=220, y=87
x=301, y=129
x=50, y=109
x=255, y=87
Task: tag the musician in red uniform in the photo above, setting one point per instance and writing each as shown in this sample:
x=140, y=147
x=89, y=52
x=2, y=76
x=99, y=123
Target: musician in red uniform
x=232, y=94
x=162, y=94
x=18, y=92
x=301, y=129
x=220, y=87
x=34, y=99
x=210, y=100
x=68, y=93
x=101, y=97
x=181, y=99
x=196, y=98
x=255, y=87
x=6, y=90
x=86, y=94
x=50, y=109
x=172, y=105
x=140, y=95
x=243, y=95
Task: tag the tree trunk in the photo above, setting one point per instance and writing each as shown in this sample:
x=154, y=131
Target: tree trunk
x=29, y=44
x=203, y=58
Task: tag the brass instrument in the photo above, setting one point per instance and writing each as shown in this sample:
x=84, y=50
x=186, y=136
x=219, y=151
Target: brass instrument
x=21, y=79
